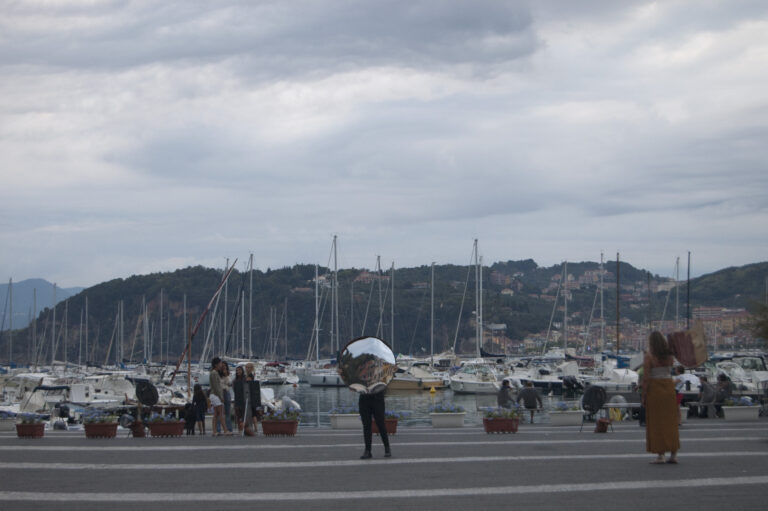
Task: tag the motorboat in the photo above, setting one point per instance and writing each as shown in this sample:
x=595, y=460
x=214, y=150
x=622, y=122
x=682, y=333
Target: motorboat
x=475, y=378
x=415, y=377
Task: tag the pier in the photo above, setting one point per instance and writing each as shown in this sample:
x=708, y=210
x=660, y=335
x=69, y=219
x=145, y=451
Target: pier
x=723, y=465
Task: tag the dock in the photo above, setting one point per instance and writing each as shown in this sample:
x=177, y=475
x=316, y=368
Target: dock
x=723, y=465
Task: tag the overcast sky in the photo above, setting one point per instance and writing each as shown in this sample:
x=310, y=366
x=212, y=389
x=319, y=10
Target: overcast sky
x=145, y=136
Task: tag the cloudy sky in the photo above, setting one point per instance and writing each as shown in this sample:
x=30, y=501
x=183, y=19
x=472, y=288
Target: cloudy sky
x=145, y=136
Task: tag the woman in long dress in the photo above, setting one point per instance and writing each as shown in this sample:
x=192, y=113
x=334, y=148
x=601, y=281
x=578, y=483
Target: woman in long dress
x=660, y=401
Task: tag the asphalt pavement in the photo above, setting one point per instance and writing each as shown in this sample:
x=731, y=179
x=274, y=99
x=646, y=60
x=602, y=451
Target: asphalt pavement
x=723, y=466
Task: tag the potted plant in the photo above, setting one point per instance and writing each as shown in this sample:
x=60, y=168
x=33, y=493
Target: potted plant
x=740, y=409
x=390, y=421
x=501, y=420
x=447, y=415
x=30, y=426
x=283, y=422
x=165, y=426
x=566, y=414
x=345, y=417
x=100, y=426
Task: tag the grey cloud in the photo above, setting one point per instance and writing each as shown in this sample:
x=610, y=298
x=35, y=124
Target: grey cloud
x=275, y=37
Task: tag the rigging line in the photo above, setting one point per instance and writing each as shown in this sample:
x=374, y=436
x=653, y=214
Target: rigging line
x=367, y=307
x=109, y=348
x=666, y=302
x=5, y=309
x=236, y=312
x=418, y=319
x=463, y=297
x=381, y=316
x=589, y=324
x=316, y=331
x=551, y=317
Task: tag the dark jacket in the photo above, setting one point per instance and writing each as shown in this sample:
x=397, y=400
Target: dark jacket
x=529, y=397
x=505, y=398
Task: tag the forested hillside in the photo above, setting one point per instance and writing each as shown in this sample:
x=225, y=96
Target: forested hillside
x=518, y=294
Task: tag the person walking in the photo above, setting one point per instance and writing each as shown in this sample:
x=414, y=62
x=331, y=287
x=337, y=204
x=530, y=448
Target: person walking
x=200, y=405
x=530, y=399
x=660, y=401
x=372, y=406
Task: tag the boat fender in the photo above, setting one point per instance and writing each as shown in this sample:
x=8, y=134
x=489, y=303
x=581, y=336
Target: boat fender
x=323, y=379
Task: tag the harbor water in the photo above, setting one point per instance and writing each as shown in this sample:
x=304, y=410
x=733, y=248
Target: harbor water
x=317, y=403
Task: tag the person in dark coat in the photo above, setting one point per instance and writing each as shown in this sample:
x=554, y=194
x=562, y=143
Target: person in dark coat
x=504, y=397
x=530, y=399
x=238, y=388
x=200, y=404
x=251, y=396
x=372, y=406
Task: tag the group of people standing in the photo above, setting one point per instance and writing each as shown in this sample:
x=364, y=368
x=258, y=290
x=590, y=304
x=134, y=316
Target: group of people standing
x=247, y=399
x=531, y=399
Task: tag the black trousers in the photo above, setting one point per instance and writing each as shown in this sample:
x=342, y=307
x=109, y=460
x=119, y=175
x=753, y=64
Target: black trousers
x=372, y=406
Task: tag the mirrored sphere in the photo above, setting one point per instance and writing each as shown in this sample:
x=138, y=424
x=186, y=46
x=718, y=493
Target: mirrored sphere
x=367, y=365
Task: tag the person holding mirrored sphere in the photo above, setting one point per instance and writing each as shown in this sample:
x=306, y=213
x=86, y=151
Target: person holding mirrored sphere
x=372, y=406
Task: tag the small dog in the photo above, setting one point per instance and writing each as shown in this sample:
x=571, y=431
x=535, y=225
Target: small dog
x=189, y=418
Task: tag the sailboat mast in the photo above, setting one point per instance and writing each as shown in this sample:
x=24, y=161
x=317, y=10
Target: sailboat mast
x=392, y=307
x=250, y=307
x=66, y=330
x=317, y=316
x=86, y=330
x=618, y=301
x=480, y=288
x=602, y=317
x=477, y=299
x=34, y=324
x=688, y=298
x=379, y=328
x=10, y=326
x=565, y=306
x=335, y=330
x=80, y=341
x=432, y=319
x=53, y=328
x=677, y=293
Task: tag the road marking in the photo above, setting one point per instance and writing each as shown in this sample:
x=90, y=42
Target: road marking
x=142, y=445
x=439, y=493
x=352, y=463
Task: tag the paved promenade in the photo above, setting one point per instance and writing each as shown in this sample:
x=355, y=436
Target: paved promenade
x=723, y=466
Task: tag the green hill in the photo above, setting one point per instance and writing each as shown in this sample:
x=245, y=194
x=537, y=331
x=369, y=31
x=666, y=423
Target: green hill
x=519, y=294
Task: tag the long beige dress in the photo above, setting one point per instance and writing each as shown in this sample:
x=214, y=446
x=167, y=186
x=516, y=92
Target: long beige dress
x=661, y=412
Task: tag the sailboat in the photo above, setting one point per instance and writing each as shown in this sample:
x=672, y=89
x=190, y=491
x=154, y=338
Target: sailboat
x=320, y=376
x=476, y=376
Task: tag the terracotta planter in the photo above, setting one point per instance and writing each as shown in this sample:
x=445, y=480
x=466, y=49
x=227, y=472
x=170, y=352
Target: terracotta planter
x=741, y=413
x=566, y=418
x=138, y=430
x=346, y=421
x=390, y=424
x=447, y=420
x=164, y=429
x=279, y=428
x=30, y=430
x=501, y=425
x=100, y=430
